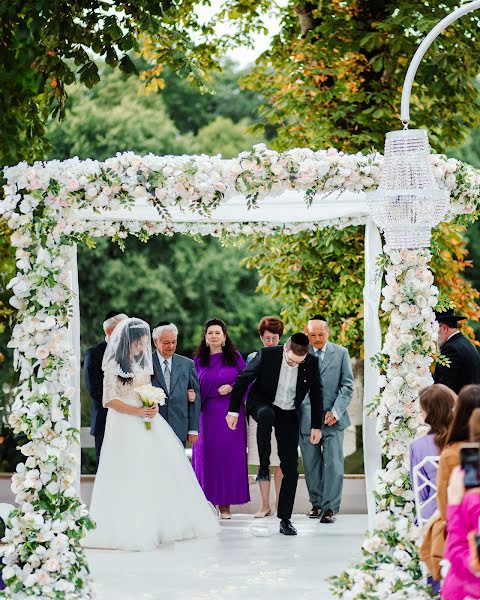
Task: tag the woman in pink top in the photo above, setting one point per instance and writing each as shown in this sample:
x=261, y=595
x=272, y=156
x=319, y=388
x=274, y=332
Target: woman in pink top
x=463, y=513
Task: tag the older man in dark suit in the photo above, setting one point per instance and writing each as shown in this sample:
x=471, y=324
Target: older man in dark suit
x=281, y=376
x=93, y=374
x=177, y=376
x=464, y=367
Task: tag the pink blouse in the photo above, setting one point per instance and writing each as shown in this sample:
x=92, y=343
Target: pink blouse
x=460, y=583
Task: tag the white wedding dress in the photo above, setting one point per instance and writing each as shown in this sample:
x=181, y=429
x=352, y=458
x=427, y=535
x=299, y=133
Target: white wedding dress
x=145, y=491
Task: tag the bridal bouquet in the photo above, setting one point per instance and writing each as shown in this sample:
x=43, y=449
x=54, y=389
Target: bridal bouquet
x=150, y=395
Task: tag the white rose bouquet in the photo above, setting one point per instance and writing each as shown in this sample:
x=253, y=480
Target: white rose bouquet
x=150, y=395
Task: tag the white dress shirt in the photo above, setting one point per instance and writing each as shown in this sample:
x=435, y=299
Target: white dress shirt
x=162, y=360
x=287, y=386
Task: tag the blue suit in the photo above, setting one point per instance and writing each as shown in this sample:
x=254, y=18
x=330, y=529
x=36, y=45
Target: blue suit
x=323, y=463
x=180, y=414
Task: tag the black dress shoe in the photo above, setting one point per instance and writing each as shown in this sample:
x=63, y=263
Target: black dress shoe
x=327, y=516
x=263, y=475
x=287, y=528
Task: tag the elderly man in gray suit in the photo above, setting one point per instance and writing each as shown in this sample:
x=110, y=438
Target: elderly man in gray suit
x=177, y=376
x=323, y=463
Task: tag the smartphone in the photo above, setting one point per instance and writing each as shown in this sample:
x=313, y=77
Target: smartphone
x=469, y=457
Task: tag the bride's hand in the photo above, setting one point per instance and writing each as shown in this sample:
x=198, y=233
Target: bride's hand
x=152, y=411
x=223, y=390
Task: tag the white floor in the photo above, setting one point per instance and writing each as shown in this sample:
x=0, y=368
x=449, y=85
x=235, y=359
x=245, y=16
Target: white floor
x=249, y=560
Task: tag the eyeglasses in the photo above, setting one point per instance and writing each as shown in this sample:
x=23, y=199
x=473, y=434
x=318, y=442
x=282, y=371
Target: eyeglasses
x=274, y=339
x=292, y=362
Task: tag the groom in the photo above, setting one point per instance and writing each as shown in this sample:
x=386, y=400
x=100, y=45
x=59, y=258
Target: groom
x=281, y=376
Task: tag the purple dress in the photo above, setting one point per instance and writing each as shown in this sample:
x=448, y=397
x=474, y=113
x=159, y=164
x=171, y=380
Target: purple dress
x=219, y=457
x=419, y=449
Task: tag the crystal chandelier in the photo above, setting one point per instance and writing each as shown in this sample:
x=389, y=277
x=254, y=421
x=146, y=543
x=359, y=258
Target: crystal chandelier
x=408, y=202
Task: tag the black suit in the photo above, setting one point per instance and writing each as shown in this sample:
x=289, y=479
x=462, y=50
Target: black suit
x=264, y=372
x=94, y=381
x=464, y=363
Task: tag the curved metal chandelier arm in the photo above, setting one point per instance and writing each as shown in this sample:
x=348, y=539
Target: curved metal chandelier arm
x=420, y=53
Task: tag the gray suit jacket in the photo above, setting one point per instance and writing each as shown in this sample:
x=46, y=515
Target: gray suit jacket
x=180, y=414
x=337, y=379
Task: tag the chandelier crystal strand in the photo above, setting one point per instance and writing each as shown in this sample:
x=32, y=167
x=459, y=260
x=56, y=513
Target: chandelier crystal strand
x=408, y=202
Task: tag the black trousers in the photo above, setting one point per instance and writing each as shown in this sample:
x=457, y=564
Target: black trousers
x=286, y=431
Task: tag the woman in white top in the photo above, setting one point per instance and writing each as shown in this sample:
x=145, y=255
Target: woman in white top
x=145, y=491
x=270, y=330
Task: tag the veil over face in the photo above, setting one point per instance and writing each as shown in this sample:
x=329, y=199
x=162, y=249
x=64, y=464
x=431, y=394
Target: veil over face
x=129, y=350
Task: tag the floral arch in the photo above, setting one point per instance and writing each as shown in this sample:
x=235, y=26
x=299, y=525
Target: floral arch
x=53, y=206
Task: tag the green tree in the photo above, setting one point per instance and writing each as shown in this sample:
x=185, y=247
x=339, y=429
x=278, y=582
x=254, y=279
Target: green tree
x=191, y=110
x=290, y=272
x=47, y=45
x=222, y=136
x=174, y=278
x=112, y=118
x=333, y=77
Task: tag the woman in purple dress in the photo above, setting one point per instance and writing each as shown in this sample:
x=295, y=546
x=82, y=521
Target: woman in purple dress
x=437, y=402
x=219, y=457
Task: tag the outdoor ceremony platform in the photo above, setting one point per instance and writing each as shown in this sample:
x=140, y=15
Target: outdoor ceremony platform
x=353, y=498
x=239, y=564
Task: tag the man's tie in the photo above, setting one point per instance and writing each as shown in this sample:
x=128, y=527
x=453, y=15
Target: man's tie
x=166, y=374
x=319, y=355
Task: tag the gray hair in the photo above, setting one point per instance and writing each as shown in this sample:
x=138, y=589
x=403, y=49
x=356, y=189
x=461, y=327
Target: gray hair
x=112, y=322
x=157, y=332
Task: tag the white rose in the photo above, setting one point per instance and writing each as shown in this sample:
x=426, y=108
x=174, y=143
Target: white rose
x=41, y=352
x=52, y=564
x=421, y=302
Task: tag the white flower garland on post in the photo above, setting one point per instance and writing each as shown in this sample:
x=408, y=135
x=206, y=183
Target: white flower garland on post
x=43, y=556
x=390, y=565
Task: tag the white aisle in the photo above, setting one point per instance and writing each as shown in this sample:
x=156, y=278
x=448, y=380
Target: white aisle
x=237, y=565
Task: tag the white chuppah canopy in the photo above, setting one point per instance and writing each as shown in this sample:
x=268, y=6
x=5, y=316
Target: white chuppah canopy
x=52, y=206
x=289, y=212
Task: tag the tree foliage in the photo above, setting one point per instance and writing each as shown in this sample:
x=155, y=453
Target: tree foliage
x=316, y=274
x=115, y=117
x=334, y=74
x=191, y=110
x=333, y=77
x=176, y=279
x=49, y=44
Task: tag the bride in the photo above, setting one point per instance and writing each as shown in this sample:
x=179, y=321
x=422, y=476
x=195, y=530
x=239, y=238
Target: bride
x=145, y=491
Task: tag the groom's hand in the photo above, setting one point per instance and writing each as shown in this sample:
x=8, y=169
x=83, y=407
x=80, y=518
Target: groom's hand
x=315, y=436
x=231, y=421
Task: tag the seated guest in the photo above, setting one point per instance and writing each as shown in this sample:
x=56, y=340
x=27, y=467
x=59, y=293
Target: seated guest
x=463, y=513
x=270, y=330
x=437, y=402
x=433, y=544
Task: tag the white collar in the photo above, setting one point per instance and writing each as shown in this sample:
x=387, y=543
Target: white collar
x=454, y=333
x=315, y=350
x=162, y=360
